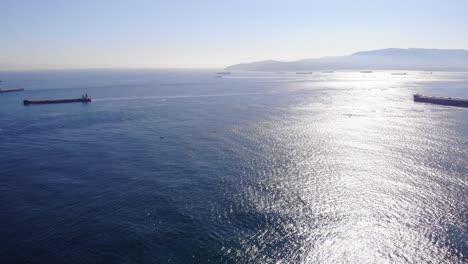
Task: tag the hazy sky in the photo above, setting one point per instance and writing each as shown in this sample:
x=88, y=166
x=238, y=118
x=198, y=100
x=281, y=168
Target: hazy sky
x=205, y=33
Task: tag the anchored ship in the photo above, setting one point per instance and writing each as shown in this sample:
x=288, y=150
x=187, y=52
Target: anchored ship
x=440, y=100
x=10, y=90
x=84, y=99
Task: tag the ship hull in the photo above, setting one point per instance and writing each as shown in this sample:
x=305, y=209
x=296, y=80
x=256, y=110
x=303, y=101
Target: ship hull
x=440, y=100
x=57, y=101
x=11, y=90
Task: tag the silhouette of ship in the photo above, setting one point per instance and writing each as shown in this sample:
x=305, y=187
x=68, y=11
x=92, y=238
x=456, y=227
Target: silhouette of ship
x=84, y=99
x=440, y=100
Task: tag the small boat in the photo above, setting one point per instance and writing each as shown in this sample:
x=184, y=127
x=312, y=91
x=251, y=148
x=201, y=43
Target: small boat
x=440, y=100
x=303, y=72
x=398, y=73
x=84, y=99
x=366, y=71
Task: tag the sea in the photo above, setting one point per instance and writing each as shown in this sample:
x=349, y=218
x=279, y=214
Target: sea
x=179, y=166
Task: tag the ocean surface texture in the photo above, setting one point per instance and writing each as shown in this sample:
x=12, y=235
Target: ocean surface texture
x=183, y=167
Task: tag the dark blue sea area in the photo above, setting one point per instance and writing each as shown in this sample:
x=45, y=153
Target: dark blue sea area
x=178, y=166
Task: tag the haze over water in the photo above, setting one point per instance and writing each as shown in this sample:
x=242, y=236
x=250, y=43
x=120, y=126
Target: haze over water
x=182, y=167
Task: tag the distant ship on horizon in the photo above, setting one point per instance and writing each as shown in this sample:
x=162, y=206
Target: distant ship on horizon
x=399, y=73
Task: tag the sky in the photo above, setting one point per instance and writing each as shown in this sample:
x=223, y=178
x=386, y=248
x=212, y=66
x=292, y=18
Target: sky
x=44, y=34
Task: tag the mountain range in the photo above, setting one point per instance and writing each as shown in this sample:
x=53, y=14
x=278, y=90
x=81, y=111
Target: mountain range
x=383, y=59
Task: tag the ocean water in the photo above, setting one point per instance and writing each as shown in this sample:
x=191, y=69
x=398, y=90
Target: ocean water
x=182, y=167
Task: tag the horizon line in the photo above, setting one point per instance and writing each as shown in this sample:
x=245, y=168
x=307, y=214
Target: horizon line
x=71, y=68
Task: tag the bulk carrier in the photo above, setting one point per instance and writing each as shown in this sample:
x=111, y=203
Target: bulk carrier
x=84, y=99
x=440, y=100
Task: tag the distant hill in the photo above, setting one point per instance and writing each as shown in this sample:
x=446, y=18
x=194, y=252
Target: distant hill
x=385, y=59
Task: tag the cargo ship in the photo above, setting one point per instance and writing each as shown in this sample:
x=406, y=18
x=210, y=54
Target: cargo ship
x=84, y=99
x=11, y=90
x=440, y=100
x=224, y=73
x=366, y=71
x=399, y=73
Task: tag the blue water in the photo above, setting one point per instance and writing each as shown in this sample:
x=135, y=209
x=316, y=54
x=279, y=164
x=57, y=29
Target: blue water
x=182, y=167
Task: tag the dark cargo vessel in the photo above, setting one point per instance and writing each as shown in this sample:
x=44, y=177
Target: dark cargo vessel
x=440, y=100
x=83, y=99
